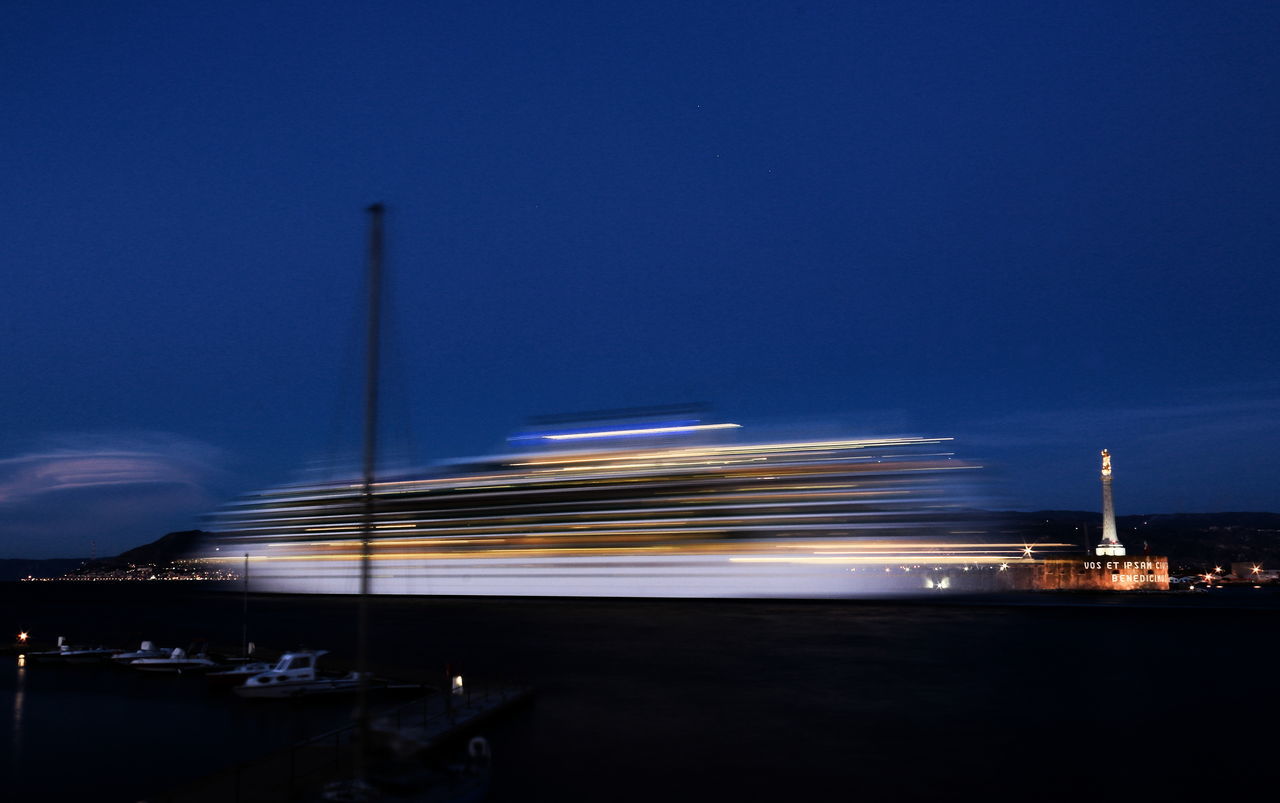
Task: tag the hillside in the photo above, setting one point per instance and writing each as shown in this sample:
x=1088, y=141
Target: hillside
x=1192, y=541
x=163, y=550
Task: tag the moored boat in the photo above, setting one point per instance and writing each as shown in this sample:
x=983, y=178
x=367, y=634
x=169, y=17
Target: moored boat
x=178, y=661
x=67, y=653
x=88, y=655
x=237, y=675
x=295, y=675
x=45, y=656
x=148, y=649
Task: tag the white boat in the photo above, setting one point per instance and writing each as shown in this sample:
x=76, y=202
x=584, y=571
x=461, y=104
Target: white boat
x=295, y=675
x=86, y=655
x=147, y=650
x=237, y=675
x=50, y=655
x=178, y=661
x=67, y=653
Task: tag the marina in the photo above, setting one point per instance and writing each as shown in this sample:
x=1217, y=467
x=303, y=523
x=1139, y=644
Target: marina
x=748, y=697
x=274, y=764
x=408, y=735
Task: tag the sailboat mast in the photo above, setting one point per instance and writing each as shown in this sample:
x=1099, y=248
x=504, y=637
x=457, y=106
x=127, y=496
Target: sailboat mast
x=372, y=356
x=244, y=613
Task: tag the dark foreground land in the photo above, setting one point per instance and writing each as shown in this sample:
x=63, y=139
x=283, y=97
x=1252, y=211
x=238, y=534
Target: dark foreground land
x=1100, y=698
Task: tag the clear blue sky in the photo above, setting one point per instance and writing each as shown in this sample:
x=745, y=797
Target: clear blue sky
x=1040, y=228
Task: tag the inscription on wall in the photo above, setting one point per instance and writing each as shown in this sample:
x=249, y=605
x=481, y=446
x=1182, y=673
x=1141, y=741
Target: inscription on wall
x=1130, y=571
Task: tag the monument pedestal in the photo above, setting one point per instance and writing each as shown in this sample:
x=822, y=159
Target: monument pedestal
x=1101, y=573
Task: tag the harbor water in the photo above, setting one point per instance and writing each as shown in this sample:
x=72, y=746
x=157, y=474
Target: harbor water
x=1054, y=697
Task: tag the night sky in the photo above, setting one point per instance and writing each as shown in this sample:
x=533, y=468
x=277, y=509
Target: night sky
x=1043, y=229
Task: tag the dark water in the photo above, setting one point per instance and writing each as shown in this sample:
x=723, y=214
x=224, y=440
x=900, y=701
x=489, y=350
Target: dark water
x=1111, y=698
x=105, y=733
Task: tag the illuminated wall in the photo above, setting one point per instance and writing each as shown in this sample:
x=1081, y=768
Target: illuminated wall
x=1099, y=573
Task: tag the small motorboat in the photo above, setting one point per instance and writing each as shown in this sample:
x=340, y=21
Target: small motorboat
x=237, y=675
x=67, y=653
x=147, y=650
x=178, y=661
x=88, y=655
x=49, y=655
x=295, y=675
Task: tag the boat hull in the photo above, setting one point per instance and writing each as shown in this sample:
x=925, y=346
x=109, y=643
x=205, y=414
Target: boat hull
x=89, y=656
x=755, y=573
x=789, y=519
x=299, y=689
x=237, y=676
x=184, y=668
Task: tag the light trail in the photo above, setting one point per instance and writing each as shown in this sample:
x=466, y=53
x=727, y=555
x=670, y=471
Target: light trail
x=786, y=518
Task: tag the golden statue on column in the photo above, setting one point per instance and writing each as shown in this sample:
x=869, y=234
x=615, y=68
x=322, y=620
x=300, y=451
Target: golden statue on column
x=1110, y=544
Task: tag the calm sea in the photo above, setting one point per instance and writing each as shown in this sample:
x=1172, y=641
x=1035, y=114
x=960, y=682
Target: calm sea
x=1030, y=698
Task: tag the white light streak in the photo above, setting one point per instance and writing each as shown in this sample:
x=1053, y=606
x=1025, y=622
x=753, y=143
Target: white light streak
x=576, y=436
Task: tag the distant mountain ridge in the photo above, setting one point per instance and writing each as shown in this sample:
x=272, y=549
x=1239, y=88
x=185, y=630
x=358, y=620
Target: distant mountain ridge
x=160, y=552
x=166, y=549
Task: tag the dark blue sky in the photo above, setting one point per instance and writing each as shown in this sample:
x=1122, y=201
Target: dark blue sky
x=1041, y=229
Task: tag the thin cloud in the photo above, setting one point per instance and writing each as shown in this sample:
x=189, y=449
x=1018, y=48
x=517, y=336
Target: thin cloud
x=115, y=489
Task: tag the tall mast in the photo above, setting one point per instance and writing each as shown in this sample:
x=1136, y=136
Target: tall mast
x=370, y=460
x=244, y=613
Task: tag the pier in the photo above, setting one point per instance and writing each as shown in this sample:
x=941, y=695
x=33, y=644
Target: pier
x=411, y=745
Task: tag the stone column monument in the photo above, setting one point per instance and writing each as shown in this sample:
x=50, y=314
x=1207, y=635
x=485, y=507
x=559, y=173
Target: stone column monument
x=1110, y=544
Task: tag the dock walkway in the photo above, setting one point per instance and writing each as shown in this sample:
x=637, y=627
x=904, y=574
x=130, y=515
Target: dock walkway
x=411, y=735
